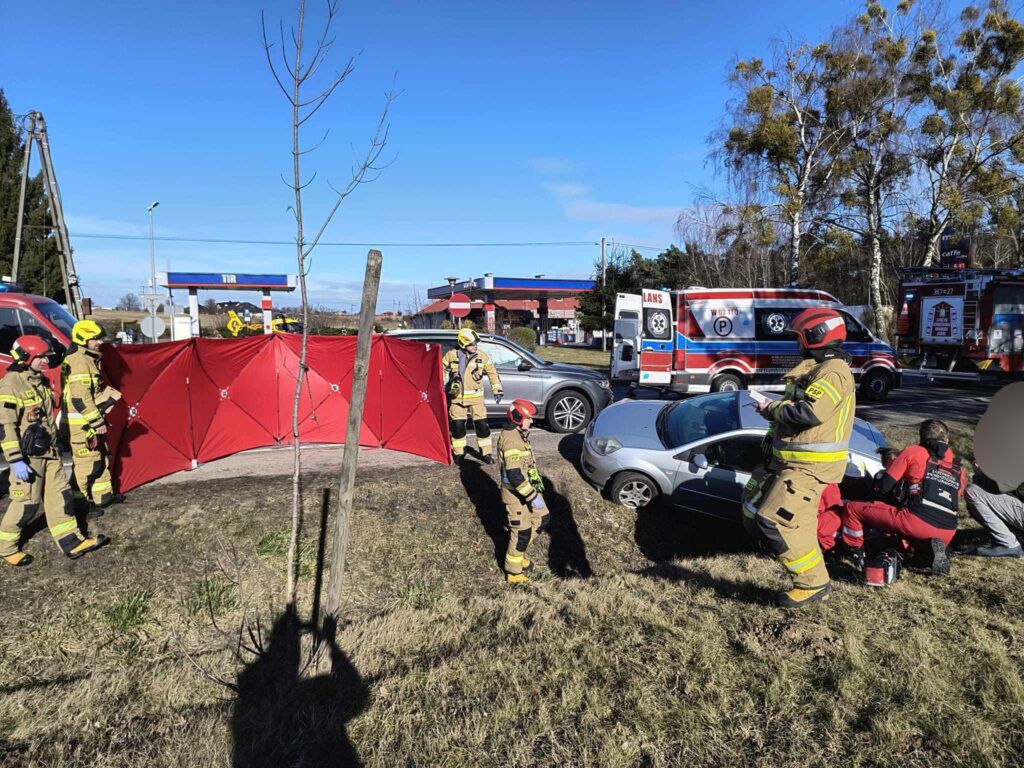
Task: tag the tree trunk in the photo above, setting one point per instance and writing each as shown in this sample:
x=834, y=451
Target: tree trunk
x=874, y=237
x=931, y=254
x=794, y=248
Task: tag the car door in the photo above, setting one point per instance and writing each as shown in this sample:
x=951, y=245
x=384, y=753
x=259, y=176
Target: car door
x=715, y=489
x=526, y=385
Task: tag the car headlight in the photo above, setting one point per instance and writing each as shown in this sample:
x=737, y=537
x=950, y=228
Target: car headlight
x=604, y=445
x=604, y=384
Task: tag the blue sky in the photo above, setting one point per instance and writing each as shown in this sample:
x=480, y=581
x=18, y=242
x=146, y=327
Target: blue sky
x=526, y=121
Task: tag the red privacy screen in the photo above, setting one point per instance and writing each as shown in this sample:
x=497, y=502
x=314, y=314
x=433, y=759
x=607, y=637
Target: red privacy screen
x=201, y=399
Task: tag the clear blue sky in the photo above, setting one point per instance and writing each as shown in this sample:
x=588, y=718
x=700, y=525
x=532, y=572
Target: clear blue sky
x=524, y=121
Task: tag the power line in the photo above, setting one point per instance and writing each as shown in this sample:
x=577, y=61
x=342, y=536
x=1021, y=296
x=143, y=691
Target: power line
x=235, y=241
x=230, y=241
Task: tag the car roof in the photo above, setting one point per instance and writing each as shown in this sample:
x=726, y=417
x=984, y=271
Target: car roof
x=453, y=332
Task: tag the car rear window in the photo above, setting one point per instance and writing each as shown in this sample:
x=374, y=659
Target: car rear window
x=692, y=420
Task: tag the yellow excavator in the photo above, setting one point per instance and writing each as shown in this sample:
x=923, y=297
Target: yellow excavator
x=280, y=324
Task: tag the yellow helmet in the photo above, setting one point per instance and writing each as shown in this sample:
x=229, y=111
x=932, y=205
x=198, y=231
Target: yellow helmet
x=468, y=337
x=85, y=330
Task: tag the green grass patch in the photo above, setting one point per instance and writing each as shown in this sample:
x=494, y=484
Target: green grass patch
x=420, y=594
x=211, y=595
x=130, y=613
x=274, y=546
x=582, y=356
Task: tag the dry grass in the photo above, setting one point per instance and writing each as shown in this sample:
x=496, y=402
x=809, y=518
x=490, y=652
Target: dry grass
x=645, y=641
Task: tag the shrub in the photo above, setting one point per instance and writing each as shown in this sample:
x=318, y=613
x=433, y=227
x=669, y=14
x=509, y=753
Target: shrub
x=524, y=337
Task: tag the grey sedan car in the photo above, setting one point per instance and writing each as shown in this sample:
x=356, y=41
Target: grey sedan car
x=697, y=454
x=567, y=396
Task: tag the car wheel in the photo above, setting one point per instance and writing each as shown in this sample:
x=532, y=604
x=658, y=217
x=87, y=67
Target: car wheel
x=633, y=490
x=875, y=385
x=569, y=412
x=727, y=382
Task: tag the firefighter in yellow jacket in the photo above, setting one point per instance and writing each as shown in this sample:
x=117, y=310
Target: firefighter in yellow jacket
x=810, y=436
x=28, y=438
x=465, y=369
x=521, y=490
x=87, y=399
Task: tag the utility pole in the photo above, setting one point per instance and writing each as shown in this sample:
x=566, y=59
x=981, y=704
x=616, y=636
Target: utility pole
x=36, y=131
x=350, y=457
x=152, y=262
x=604, y=282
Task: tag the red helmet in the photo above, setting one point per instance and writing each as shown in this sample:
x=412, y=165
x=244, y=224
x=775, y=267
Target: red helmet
x=520, y=410
x=28, y=348
x=819, y=327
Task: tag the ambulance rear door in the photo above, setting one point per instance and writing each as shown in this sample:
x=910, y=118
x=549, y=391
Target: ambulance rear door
x=657, y=343
x=626, y=349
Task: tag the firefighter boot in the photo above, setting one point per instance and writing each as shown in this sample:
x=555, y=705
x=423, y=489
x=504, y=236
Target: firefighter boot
x=18, y=559
x=798, y=598
x=940, y=559
x=517, y=578
x=88, y=545
x=528, y=566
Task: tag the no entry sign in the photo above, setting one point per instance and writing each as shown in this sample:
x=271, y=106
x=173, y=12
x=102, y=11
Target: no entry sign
x=458, y=305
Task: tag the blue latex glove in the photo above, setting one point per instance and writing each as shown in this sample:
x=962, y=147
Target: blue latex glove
x=497, y=399
x=538, y=502
x=22, y=471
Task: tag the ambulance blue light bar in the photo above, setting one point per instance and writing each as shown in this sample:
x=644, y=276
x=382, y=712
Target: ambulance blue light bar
x=8, y=287
x=235, y=281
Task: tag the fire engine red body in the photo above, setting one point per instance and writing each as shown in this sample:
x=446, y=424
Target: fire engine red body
x=963, y=320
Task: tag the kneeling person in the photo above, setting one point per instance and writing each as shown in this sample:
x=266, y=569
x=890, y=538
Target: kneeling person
x=28, y=438
x=935, y=483
x=521, y=488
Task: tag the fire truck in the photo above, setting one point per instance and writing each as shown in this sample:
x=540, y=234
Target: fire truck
x=959, y=322
x=725, y=339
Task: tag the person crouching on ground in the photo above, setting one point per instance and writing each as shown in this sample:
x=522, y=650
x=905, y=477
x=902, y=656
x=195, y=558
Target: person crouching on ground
x=928, y=516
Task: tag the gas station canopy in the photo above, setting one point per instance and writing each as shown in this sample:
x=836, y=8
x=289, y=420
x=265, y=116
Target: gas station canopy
x=490, y=288
x=194, y=282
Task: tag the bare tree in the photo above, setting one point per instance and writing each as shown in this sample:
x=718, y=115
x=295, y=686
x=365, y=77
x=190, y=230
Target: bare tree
x=296, y=74
x=129, y=303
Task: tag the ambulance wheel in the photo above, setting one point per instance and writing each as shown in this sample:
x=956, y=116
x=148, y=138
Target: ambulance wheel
x=633, y=490
x=727, y=382
x=875, y=385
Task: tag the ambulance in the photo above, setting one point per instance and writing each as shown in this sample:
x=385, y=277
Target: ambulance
x=726, y=339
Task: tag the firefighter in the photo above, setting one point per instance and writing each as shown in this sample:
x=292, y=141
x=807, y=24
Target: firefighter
x=28, y=438
x=465, y=369
x=810, y=434
x=521, y=490
x=87, y=399
x=927, y=515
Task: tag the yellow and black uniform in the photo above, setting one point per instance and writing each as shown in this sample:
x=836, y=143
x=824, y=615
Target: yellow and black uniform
x=810, y=436
x=86, y=400
x=28, y=434
x=465, y=372
x=521, y=492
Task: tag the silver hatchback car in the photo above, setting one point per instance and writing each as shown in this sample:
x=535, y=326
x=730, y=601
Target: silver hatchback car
x=697, y=454
x=567, y=396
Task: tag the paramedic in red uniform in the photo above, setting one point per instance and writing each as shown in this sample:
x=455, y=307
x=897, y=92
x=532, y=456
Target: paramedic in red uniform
x=830, y=511
x=935, y=483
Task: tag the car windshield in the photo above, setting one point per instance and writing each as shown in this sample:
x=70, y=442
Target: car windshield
x=691, y=420
x=57, y=315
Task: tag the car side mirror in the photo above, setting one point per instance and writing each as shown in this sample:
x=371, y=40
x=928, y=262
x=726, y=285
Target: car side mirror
x=525, y=365
x=701, y=461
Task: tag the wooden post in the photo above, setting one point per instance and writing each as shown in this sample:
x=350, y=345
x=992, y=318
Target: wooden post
x=346, y=485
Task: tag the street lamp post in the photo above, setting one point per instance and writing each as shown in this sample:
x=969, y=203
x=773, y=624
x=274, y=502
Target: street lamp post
x=152, y=261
